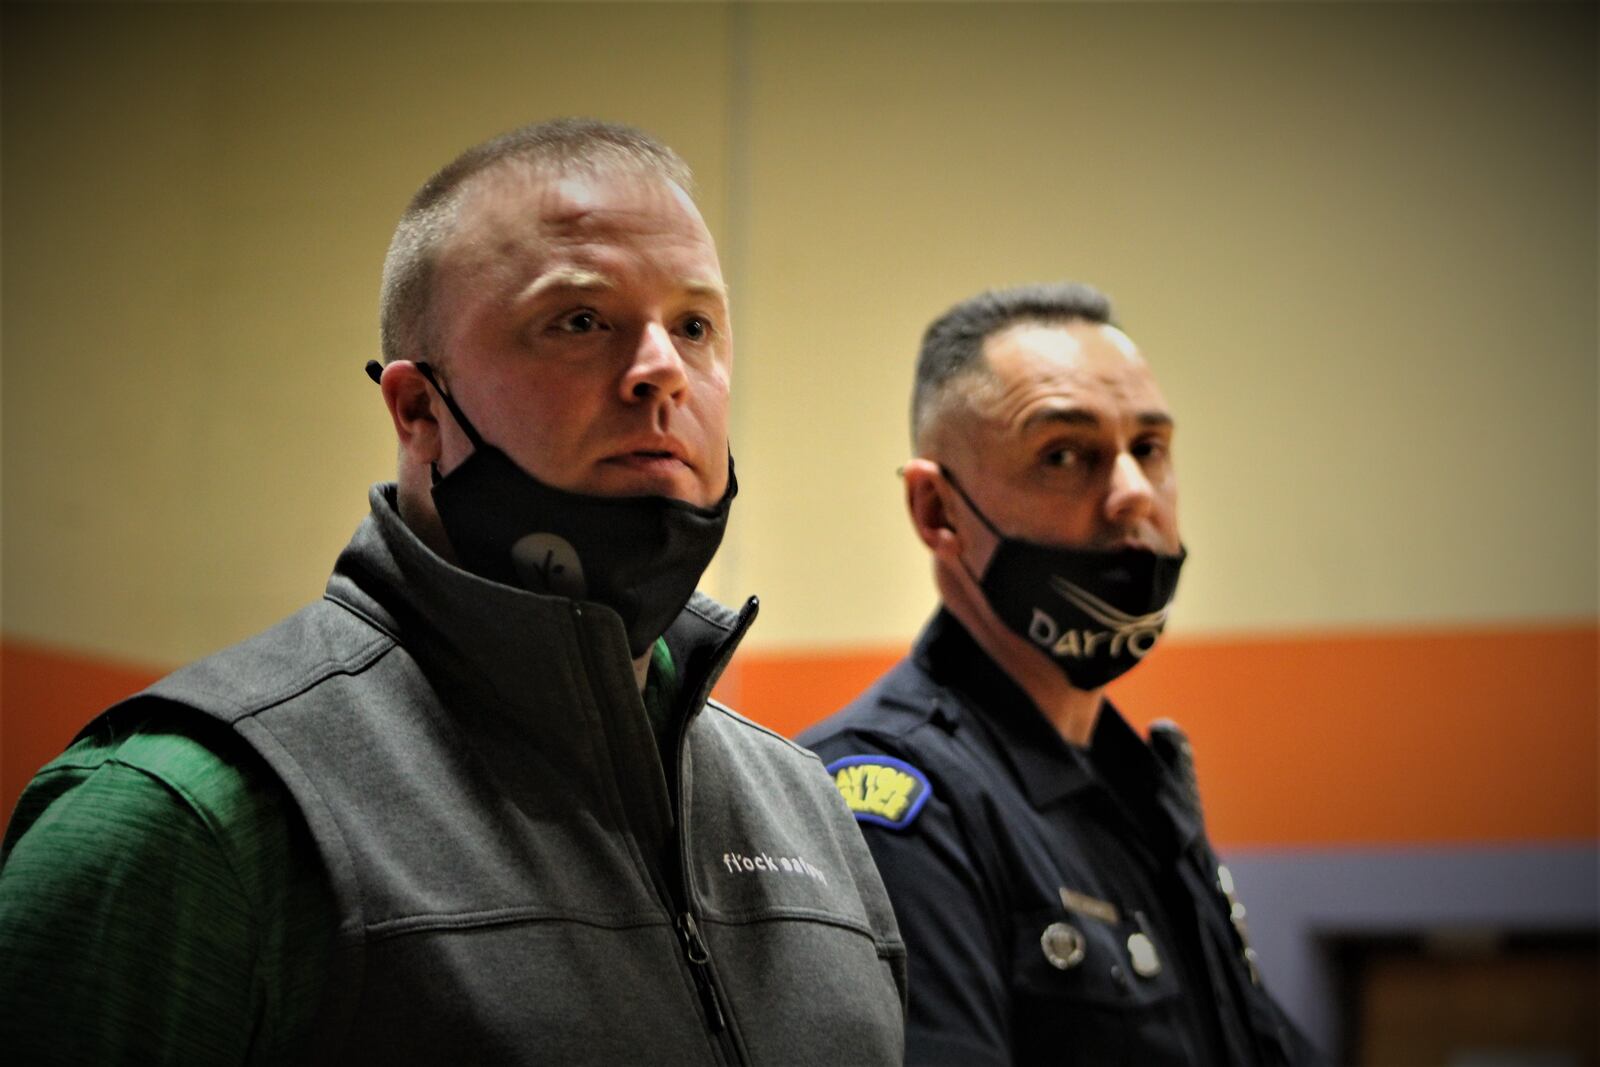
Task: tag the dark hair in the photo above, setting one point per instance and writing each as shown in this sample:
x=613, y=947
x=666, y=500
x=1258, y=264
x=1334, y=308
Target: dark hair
x=952, y=346
x=561, y=146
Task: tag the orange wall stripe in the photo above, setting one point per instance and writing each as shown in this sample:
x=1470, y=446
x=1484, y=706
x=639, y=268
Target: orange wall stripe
x=46, y=695
x=1371, y=739
x=1447, y=737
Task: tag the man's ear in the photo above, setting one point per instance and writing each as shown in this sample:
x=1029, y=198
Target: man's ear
x=929, y=510
x=409, y=399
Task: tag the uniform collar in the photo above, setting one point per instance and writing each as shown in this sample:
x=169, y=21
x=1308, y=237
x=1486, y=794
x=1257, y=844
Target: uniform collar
x=1049, y=769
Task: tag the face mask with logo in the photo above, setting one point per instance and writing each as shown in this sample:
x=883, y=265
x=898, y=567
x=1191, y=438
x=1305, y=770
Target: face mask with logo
x=1094, y=612
x=641, y=556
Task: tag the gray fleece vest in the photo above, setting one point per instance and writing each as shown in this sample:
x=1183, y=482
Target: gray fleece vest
x=517, y=879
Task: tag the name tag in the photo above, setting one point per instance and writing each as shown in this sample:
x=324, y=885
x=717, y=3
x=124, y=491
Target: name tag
x=1092, y=907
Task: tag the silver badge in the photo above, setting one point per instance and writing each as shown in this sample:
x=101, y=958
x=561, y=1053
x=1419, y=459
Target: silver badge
x=1063, y=945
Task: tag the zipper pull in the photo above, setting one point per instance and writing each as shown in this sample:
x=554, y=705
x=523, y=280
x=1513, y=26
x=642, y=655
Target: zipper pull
x=699, y=963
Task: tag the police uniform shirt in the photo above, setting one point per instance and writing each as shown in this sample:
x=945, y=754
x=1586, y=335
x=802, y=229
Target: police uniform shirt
x=1059, y=905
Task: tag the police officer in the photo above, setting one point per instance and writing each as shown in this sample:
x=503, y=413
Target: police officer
x=1049, y=868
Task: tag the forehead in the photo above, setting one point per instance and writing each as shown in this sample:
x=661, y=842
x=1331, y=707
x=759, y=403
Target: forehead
x=516, y=219
x=1037, y=370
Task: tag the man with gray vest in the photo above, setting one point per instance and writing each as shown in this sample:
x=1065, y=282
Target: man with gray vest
x=476, y=804
x=1049, y=867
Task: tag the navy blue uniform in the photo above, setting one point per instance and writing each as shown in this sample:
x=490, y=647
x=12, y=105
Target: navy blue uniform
x=1058, y=905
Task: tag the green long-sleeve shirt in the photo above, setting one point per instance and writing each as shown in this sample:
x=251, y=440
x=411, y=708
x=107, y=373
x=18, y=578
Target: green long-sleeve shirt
x=161, y=902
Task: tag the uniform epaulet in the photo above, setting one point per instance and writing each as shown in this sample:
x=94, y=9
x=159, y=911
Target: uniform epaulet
x=1171, y=746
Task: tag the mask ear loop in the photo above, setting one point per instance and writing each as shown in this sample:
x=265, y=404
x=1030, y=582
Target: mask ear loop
x=975, y=509
x=456, y=413
x=375, y=372
x=945, y=471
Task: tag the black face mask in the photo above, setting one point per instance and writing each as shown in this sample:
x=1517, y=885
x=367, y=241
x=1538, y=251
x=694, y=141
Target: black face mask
x=641, y=556
x=1094, y=612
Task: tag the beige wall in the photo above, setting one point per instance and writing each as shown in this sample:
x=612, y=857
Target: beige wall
x=1358, y=242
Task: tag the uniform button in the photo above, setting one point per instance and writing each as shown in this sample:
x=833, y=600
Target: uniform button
x=1063, y=945
x=1120, y=977
x=1142, y=951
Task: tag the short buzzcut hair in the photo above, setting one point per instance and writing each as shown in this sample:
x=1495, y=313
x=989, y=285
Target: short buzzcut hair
x=952, y=346
x=560, y=146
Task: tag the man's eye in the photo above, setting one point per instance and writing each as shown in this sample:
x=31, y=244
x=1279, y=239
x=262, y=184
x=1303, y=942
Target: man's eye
x=1149, y=449
x=696, y=328
x=578, y=322
x=1064, y=457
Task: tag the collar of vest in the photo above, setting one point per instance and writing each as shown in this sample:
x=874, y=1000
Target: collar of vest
x=518, y=649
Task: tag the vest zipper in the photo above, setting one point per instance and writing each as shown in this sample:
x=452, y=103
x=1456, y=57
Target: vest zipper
x=672, y=882
x=694, y=946
x=700, y=967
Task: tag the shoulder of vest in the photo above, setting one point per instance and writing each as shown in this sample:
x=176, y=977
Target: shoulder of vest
x=318, y=642
x=727, y=714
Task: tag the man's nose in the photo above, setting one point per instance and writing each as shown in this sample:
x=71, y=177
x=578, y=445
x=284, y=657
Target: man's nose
x=1131, y=495
x=656, y=368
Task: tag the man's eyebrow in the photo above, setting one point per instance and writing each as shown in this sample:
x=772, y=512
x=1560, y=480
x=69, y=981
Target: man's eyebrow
x=576, y=278
x=1061, y=416
x=566, y=278
x=706, y=288
x=1081, y=417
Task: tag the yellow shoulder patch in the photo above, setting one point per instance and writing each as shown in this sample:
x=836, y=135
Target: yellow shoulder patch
x=881, y=789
